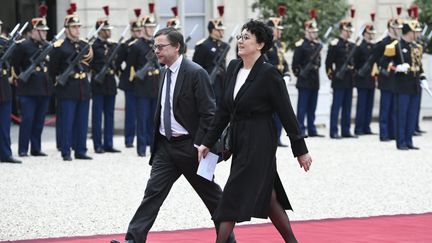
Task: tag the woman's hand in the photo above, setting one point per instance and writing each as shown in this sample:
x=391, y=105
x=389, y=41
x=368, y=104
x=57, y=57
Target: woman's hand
x=305, y=161
x=202, y=152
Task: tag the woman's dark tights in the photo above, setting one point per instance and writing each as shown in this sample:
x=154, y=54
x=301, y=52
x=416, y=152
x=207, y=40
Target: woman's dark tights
x=277, y=215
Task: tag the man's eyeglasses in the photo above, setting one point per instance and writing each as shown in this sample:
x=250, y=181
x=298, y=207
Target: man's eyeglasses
x=160, y=47
x=243, y=37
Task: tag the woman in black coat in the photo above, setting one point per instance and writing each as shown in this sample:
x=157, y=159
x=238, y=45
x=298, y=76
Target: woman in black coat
x=257, y=90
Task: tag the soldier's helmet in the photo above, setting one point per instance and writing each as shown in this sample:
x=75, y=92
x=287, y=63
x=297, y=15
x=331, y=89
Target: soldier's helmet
x=218, y=22
x=40, y=23
x=369, y=27
x=104, y=20
x=311, y=25
x=150, y=20
x=71, y=18
x=174, y=22
x=396, y=22
x=413, y=13
x=136, y=23
x=411, y=25
x=276, y=22
x=346, y=24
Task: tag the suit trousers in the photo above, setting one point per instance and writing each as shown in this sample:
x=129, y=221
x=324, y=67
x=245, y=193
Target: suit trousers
x=387, y=123
x=5, y=125
x=306, y=106
x=406, y=113
x=342, y=99
x=171, y=160
x=145, y=112
x=33, y=111
x=103, y=106
x=365, y=99
x=130, y=117
x=73, y=126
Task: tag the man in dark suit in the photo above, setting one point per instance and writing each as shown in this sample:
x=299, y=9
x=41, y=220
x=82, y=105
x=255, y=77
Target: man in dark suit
x=185, y=108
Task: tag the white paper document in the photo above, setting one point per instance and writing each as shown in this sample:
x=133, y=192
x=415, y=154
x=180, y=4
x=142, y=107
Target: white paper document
x=207, y=166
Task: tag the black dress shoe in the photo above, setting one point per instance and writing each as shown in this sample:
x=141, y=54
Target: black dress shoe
x=316, y=135
x=370, y=133
x=420, y=131
x=99, y=151
x=402, y=148
x=417, y=133
x=141, y=154
x=335, y=136
x=67, y=158
x=413, y=147
x=349, y=136
x=385, y=139
x=83, y=156
x=112, y=150
x=129, y=145
x=11, y=160
x=38, y=153
x=22, y=154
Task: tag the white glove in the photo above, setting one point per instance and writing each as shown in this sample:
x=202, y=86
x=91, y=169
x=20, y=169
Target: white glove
x=402, y=68
x=287, y=79
x=424, y=83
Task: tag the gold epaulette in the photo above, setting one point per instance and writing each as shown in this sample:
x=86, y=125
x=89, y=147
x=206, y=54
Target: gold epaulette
x=299, y=42
x=3, y=37
x=58, y=43
x=200, y=41
x=133, y=42
x=131, y=74
x=334, y=42
x=390, y=49
x=20, y=41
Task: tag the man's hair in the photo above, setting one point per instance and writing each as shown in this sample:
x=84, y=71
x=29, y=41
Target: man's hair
x=174, y=37
x=262, y=32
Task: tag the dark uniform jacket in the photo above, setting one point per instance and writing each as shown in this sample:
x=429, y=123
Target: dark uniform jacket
x=123, y=67
x=361, y=55
x=102, y=50
x=405, y=83
x=206, y=53
x=5, y=89
x=38, y=83
x=303, y=53
x=337, y=54
x=78, y=86
x=275, y=56
x=385, y=79
x=137, y=58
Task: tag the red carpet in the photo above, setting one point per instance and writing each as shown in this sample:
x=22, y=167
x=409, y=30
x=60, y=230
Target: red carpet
x=398, y=228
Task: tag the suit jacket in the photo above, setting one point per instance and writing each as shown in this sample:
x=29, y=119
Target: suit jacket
x=193, y=103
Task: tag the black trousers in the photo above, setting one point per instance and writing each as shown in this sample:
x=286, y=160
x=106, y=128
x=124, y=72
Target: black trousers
x=171, y=160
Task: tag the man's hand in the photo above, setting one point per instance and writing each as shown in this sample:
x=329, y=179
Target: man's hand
x=202, y=152
x=305, y=161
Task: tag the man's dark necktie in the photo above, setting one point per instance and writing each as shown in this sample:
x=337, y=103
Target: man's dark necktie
x=167, y=106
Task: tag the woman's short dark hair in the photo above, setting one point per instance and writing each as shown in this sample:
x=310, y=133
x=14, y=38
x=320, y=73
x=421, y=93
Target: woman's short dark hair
x=262, y=32
x=174, y=37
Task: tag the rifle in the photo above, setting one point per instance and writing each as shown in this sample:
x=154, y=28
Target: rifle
x=218, y=59
x=63, y=77
x=11, y=45
x=340, y=74
x=99, y=78
x=312, y=61
x=191, y=33
x=24, y=76
x=152, y=62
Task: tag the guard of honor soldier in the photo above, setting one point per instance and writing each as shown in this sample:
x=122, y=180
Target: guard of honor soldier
x=209, y=50
x=365, y=84
x=403, y=58
x=306, y=53
x=145, y=90
x=104, y=91
x=337, y=56
x=276, y=56
x=5, y=107
x=73, y=96
x=34, y=93
x=125, y=84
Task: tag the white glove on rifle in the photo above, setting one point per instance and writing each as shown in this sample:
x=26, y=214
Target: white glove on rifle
x=424, y=84
x=287, y=79
x=402, y=68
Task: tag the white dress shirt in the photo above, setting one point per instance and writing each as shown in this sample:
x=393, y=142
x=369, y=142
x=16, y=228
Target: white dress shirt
x=241, y=79
x=176, y=128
